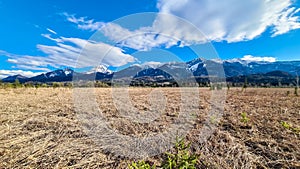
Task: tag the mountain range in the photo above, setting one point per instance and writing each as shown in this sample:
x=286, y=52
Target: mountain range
x=234, y=71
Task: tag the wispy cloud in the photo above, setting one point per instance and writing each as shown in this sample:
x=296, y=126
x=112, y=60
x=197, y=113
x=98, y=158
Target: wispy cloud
x=52, y=31
x=70, y=52
x=83, y=23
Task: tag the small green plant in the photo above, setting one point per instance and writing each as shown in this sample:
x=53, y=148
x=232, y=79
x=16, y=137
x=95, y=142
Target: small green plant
x=296, y=130
x=244, y=119
x=288, y=126
x=285, y=125
x=181, y=159
x=140, y=165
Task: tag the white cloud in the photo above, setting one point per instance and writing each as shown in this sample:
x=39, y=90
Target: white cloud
x=201, y=21
x=6, y=73
x=52, y=31
x=251, y=58
x=83, y=23
x=233, y=20
x=142, y=39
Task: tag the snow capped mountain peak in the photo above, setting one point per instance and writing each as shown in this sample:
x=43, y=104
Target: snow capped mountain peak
x=68, y=71
x=194, y=64
x=55, y=73
x=100, y=69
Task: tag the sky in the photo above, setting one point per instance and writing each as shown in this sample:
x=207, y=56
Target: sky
x=41, y=36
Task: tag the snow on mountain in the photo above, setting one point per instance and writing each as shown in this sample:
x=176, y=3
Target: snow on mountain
x=68, y=72
x=194, y=67
x=151, y=64
x=100, y=69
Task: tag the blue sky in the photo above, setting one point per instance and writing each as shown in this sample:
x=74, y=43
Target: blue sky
x=40, y=36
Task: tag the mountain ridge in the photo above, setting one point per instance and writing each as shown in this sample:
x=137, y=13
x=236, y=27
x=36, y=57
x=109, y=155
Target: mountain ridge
x=168, y=71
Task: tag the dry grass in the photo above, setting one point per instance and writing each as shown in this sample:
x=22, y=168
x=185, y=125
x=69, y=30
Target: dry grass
x=39, y=129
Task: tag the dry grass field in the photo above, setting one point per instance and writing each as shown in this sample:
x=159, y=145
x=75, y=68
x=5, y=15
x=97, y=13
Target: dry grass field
x=39, y=128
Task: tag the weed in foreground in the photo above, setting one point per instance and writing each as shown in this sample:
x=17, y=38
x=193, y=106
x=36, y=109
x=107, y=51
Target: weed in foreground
x=288, y=126
x=244, y=119
x=180, y=159
x=141, y=165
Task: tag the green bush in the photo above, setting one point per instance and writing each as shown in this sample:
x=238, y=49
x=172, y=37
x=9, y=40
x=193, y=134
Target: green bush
x=56, y=85
x=17, y=84
x=181, y=159
x=140, y=165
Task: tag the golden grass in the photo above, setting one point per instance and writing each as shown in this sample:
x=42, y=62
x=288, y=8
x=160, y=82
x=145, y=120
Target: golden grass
x=39, y=129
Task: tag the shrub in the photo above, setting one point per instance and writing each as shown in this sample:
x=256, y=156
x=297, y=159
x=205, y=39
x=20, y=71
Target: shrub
x=56, y=85
x=17, y=84
x=140, y=165
x=181, y=158
x=44, y=85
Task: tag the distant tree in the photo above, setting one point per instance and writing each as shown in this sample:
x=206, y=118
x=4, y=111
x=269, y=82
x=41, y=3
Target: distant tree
x=228, y=86
x=69, y=85
x=56, y=85
x=44, y=85
x=219, y=86
x=29, y=85
x=1, y=84
x=101, y=84
x=297, y=85
x=17, y=84
x=245, y=85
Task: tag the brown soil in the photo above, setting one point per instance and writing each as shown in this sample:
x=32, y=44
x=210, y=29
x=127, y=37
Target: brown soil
x=39, y=128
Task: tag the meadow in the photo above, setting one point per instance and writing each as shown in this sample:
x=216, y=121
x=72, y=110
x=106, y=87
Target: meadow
x=259, y=128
